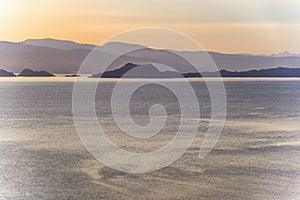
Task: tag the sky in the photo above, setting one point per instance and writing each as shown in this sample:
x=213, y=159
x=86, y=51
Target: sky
x=229, y=26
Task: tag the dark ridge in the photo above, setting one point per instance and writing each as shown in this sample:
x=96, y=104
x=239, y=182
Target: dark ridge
x=117, y=73
x=29, y=72
x=273, y=72
x=130, y=70
x=4, y=73
x=149, y=71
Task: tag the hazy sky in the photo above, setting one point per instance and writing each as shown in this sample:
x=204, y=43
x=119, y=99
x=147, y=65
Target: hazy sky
x=252, y=26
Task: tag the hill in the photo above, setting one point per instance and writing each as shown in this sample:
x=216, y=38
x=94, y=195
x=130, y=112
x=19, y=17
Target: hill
x=65, y=57
x=4, y=73
x=130, y=70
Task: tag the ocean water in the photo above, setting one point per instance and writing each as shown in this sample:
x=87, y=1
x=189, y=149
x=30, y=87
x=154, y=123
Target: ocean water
x=256, y=157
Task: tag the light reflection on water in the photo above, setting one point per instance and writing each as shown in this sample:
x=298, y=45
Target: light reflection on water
x=257, y=156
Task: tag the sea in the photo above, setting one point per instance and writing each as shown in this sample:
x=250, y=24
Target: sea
x=257, y=155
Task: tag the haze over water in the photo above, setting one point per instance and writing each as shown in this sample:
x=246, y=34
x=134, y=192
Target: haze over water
x=256, y=157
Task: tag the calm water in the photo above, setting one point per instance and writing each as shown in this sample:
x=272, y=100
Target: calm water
x=257, y=156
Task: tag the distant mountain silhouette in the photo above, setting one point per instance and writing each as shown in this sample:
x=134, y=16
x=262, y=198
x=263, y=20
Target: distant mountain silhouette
x=29, y=72
x=65, y=57
x=117, y=73
x=285, y=54
x=4, y=73
x=131, y=70
x=275, y=72
x=57, y=44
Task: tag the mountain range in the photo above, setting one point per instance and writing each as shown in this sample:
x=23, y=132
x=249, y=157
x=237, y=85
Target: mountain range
x=131, y=70
x=65, y=57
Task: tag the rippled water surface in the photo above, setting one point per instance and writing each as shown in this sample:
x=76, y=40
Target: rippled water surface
x=256, y=157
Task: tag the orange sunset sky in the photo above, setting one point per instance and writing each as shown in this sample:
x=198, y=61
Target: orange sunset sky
x=232, y=26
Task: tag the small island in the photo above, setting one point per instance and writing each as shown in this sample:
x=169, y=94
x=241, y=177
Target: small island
x=31, y=73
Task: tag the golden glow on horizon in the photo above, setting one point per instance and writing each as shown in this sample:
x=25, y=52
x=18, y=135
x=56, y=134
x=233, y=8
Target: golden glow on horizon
x=231, y=26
